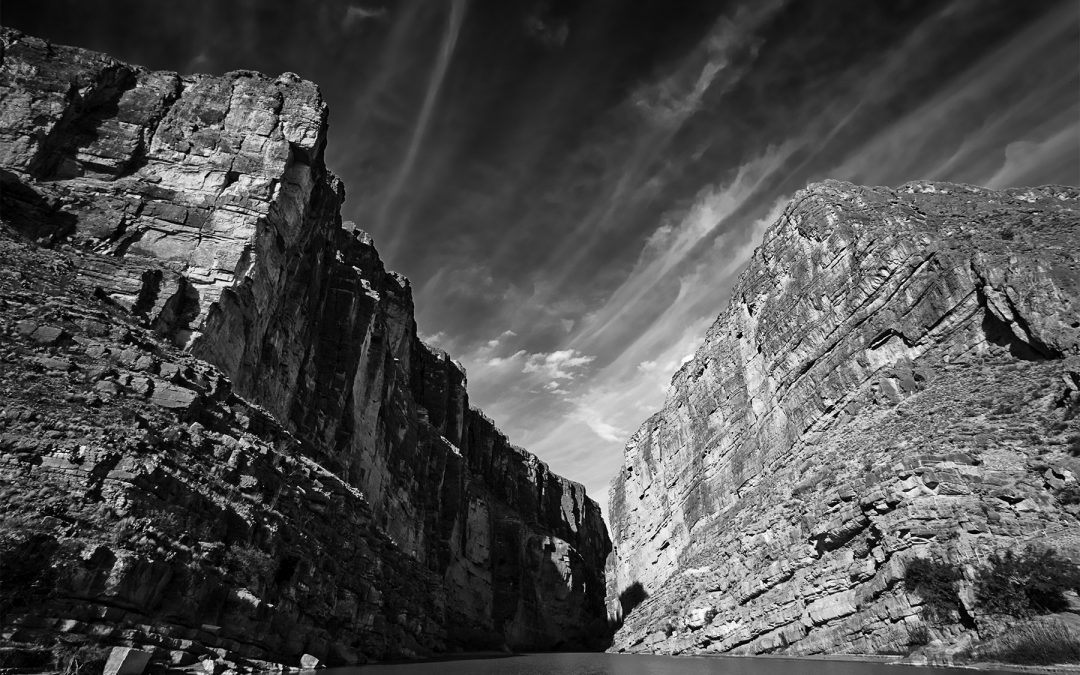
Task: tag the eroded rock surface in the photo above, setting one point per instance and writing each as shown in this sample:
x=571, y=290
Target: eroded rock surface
x=895, y=376
x=191, y=282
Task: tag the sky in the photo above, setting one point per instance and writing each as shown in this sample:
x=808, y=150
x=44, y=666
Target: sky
x=574, y=186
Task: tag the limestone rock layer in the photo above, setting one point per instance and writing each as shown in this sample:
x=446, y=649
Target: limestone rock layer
x=196, y=214
x=895, y=376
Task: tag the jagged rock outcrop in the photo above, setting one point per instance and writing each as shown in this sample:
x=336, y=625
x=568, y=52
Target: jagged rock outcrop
x=895, y=376
x=196, y=285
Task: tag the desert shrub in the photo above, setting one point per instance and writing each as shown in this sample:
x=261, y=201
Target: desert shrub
x=249, y=565
x=79, y=659
x=1073, y=446
x=201, y=529
x=166, y=521
x=935, y=582
x=919, y=636
x=126, y=530
x=1070, y=494
x=1032, y=582
x=183, y=524
x=1037, y=644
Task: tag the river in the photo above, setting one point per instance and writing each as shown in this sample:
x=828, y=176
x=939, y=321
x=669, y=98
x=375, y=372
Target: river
x=633, y=664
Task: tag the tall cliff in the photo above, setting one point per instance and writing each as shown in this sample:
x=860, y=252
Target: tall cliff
x=211, y=361
x=896, y=376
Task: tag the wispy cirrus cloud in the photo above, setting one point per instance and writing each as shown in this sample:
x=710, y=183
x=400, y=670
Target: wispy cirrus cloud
x=1010, y=118
x=721, y=59
x=679, y=240
x=563, y=364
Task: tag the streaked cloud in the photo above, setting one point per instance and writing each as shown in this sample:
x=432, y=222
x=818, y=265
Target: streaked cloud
x=357, y=13
x=672, y=99
x=564, y=364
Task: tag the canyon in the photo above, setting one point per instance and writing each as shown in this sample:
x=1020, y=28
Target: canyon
x=223, y=442
x=221, y=438
x=896, y=377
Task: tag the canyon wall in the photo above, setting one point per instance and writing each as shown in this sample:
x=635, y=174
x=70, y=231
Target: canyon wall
x=896, y=376
x=191, y=267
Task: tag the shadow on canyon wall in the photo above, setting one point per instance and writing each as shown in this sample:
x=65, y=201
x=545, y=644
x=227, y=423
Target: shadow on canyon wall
x=29, y=212
x=630, y=597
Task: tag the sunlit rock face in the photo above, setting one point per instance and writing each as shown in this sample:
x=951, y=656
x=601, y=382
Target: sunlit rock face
x=198, y=211
x=895, y=376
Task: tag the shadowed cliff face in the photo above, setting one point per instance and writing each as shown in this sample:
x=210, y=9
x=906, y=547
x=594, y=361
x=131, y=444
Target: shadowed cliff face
x=895, y=376
x=200, y=207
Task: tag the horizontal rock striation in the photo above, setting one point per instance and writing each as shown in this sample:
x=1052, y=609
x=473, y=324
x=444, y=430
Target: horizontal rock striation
x=895, y=376
x=198, y=209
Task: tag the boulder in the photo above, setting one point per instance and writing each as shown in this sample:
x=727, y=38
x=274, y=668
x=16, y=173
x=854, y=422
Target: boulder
x=126, y=661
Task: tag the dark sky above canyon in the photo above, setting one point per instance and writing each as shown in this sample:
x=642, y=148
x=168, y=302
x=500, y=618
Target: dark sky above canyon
x=573, y=186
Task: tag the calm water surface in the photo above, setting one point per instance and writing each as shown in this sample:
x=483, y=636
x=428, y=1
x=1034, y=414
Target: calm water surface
x=628, y=664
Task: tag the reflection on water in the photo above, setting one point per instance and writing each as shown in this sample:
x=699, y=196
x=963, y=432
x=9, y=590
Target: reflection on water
x=628, y=664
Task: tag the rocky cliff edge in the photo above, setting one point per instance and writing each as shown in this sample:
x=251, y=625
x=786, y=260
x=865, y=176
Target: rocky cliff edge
x=895, y=377
x=220, y=433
